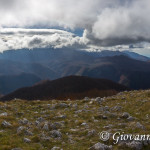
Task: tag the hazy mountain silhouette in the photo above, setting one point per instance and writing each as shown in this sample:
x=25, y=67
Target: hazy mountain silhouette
x=10, y=83
x=74, y=87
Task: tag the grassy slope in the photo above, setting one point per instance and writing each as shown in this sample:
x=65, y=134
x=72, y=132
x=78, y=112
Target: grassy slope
x=132, y=102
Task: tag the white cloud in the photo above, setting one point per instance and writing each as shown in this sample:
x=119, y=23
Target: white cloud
x=106, y=22
x=18, y=38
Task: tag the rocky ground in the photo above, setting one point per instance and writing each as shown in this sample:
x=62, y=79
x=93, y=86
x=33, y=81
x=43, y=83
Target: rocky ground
x=74, y=125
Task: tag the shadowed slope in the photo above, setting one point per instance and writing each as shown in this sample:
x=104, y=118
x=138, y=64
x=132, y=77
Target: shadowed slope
x=73, y=87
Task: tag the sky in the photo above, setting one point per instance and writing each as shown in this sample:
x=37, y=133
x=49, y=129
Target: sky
x=80, y=24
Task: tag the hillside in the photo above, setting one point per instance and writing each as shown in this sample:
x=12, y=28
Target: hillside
x=74, y=87
x=75, y=125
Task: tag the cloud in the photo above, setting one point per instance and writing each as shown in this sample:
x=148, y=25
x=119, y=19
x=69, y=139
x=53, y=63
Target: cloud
x=123, y=25
x=106, y=22
x=17, y=38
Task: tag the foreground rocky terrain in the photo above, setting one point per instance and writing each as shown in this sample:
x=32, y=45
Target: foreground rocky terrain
x=74, y=125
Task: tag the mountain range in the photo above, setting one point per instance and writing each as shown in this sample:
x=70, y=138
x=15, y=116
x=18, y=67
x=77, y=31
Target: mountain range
x=127, y=68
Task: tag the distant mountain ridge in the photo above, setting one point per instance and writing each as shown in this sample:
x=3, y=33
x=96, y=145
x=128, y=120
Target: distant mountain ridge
x=26, y=55
x=50, y=64
x=74, y=87
x=108, y=53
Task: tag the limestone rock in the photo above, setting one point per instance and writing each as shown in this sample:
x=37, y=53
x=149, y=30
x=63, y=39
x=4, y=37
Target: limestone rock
x=26, y=140
x=6, y=124
x=100, y=146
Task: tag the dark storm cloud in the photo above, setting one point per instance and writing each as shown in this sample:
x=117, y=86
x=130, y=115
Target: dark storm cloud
x=7, y=3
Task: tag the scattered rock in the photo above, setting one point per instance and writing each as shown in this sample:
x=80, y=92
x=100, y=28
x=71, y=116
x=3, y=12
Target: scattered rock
x=44, y=137
x=104, y=117
x=28, y=133
x=91, y=133
x=106, y=108
x=48, y=105
x=78, y=111
x=63, y=105
x=101, y=109
x=146, y=142
x=108, y=127
x=99, y=100
x=122, y=124
x=123, y=98
x=20, y=129
x=55, y=148
x=26, y=140
x=72, y=122
x=40, y=119
x=140, y=126
x=3, y=114
x=117, y=108
x=75, y=106
x=125, y=115
x=71, y=141
x=86, y=106
x=53, y=107
x=46, y=127
x=86, y=99
x=130, y=118
x=24, y=121
x=56, y=125
x=84, y=124
x=112, y=115
x=56, y=134
x=37, y=123
x=135, y=145
x=100, y=146
x=6, y=124
x=61, y=117
x=96, y=121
